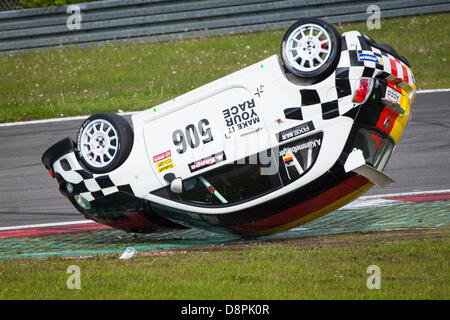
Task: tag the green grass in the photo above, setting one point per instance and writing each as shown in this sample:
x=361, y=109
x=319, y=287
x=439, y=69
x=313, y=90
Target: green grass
x=74, y=81
x=410, y=269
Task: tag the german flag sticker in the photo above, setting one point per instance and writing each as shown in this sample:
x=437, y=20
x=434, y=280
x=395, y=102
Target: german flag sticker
x=287, y=158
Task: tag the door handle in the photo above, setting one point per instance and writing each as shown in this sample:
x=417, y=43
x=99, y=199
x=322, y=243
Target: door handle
x=250, y=131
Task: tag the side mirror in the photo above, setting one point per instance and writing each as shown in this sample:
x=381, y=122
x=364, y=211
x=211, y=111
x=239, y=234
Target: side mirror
x=176, y=185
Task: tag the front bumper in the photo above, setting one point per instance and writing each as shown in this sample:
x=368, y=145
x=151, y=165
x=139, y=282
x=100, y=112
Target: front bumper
x=56, y=151
x=110, y=204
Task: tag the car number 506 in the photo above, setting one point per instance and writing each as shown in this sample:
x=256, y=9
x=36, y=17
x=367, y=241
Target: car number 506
x=191, y=136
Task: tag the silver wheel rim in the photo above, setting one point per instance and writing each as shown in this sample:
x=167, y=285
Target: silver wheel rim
x=99, y=143
x=308, y=47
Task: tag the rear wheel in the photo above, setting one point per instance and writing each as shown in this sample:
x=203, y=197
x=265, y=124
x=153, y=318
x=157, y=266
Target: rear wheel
x=104, y=142
x=311, y=48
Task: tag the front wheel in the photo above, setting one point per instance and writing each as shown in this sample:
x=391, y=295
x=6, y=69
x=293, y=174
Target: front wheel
x=310, y=49
x=104, y=142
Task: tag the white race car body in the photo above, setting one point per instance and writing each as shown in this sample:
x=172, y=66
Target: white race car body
x=241, y=111
x=257, y=151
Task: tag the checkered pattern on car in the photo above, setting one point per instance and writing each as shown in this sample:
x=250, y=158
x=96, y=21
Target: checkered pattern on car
x=333, y=104
x=88, y=185
x=96, y=187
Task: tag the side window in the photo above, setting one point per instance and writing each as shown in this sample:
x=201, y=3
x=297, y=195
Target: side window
x=236, y=182
x=229, y=184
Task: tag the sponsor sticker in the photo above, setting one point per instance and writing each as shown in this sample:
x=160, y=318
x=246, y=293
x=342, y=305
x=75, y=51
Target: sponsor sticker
x=295, y=131
x=392, y=95
x=162, y=156
x=297, y=157
x=206, y=162
x=162, y=169
x=298, y=147
x=367, y=57
x=163, y=163
x=394, y=86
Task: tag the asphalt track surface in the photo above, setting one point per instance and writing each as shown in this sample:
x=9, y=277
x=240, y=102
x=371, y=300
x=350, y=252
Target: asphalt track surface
x=28, y=195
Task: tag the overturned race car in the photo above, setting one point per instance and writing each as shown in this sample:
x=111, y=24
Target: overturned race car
x=260, y=151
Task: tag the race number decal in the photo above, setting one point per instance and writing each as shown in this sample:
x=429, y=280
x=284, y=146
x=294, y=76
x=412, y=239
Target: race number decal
x=192, y=136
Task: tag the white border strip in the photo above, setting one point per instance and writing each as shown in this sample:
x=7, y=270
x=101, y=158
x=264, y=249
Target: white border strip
x=397, y=195
x=54, y=224
x=21, y=123
x=433, y=90
x=362, y=202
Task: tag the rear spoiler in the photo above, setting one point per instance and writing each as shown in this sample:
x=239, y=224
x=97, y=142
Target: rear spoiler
x=355, y=162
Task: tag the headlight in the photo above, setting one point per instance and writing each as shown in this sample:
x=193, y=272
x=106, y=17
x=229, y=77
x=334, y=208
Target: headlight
x=82, y=202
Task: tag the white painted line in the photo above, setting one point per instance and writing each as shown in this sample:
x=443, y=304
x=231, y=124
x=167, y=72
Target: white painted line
x=433, y=90
x=54, y=224
x=21, y=123
x=412, y=193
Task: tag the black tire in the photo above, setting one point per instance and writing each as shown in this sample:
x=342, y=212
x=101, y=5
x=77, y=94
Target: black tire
x=123, y=145
x=330, y=62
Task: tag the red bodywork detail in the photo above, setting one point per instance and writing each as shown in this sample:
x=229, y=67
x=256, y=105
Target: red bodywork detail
x=304, y=209
x=394, y=86
x=405, y=74
x=387, y=119
x=393, y=67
